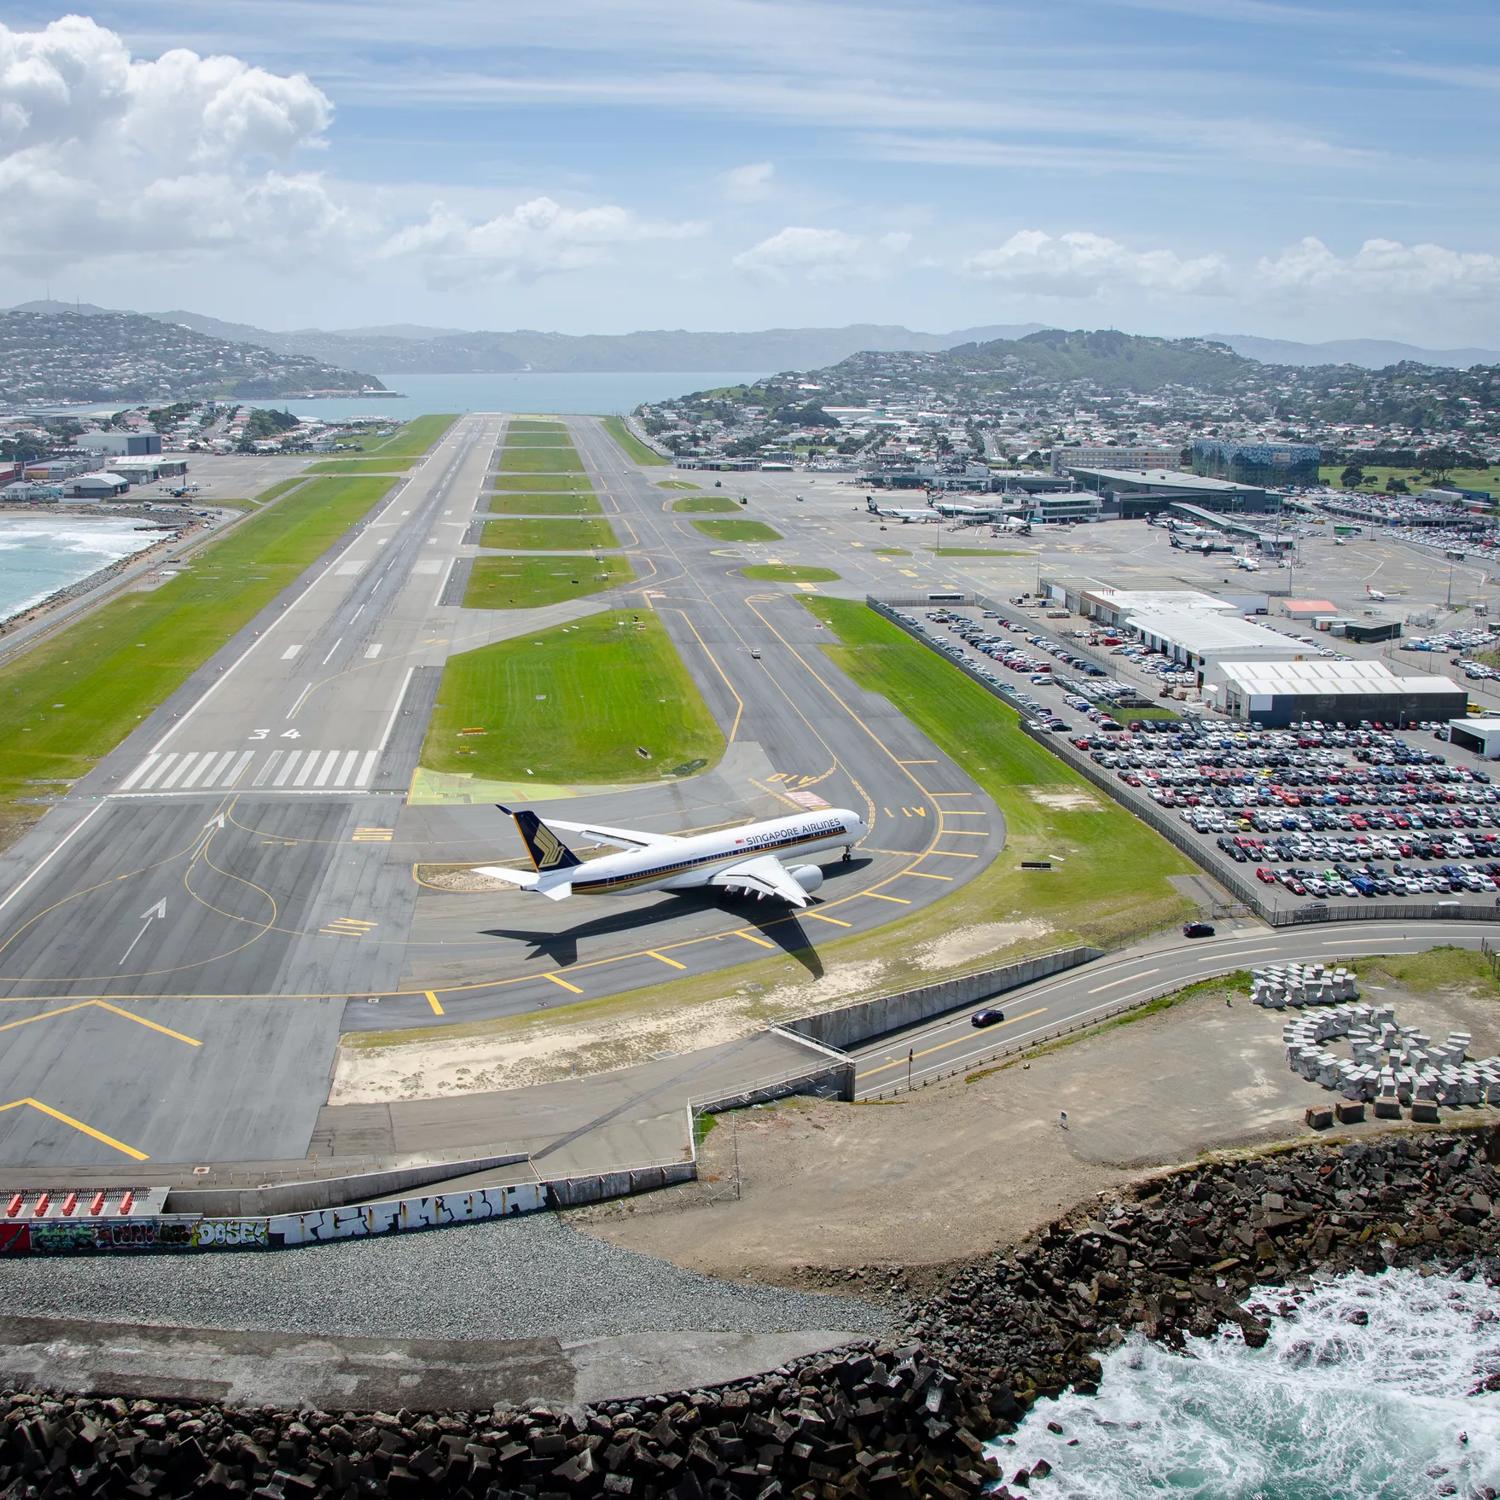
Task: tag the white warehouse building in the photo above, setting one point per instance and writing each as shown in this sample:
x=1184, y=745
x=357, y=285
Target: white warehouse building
x=1200, y=638
x=1277, y=693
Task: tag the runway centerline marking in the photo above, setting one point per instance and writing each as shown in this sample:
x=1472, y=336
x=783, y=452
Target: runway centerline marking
x=88, y=1130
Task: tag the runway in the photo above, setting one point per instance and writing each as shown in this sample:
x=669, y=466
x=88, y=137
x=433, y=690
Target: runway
x=184, y=937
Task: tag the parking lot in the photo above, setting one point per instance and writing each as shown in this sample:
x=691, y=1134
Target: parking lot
x=1314, y=812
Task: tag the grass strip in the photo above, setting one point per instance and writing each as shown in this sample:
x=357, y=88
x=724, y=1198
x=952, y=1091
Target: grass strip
x=545, y=534
x=74, y=697
x=738, y=531
x=1109, y=875
x=530, y=425
x=411, y=439
x=526, y=582
x=714, y=505
x=788, y=573
x=606, y=699
x=634, y=448
x=576, y=504
x=677, y=484
x=538, y=483
x=562, y=459
x=361, y=466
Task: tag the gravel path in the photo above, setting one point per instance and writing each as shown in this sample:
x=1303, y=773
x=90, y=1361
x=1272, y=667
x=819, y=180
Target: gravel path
x=529, y=1277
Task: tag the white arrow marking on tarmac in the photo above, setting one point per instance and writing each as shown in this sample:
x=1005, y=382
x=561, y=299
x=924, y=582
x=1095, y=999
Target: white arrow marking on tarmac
x=217, y=822
x=155, y=913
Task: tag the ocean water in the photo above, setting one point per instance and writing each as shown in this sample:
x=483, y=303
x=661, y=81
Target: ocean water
x=41, y=554
x=1363, y=1392
x=604, y=393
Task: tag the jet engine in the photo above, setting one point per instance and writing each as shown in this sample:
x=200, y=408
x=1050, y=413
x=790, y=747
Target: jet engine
x=809, y=877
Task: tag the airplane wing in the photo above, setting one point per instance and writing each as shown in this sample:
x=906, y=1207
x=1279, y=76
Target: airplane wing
x=765, y=875
x=625, y=838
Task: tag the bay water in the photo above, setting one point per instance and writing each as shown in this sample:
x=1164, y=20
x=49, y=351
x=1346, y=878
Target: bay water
x=603, y=393
x=40, y=554
x=1370, y=1389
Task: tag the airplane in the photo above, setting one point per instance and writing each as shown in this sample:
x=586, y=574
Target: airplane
x=1016, y=525
x=899, y=515
x=746, y=859
x=1248, y=564
x=1373, y=593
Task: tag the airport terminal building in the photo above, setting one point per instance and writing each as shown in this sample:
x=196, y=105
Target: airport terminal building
x=1132, y=493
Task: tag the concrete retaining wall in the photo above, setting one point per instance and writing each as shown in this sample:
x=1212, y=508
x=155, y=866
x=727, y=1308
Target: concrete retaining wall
x=326, y=1192
x=851, y=1025
x=833, y=1079
x=569, y=1192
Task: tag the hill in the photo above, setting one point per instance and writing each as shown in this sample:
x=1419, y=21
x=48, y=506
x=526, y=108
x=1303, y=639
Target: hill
x=1368, y=354
x=107, y=356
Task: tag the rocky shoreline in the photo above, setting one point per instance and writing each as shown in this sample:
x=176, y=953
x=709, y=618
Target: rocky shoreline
x=1178, y=1255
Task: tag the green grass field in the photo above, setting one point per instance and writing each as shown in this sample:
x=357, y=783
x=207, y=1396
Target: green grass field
x=575, y=504
x=1125, y=715
x=677, y=484
x=557, y=438
x=1091, y=843
x=525, y=582
x=635, y=449
x=974, y=552
x=531, y=425
x=573, y=704
x=410, y=439
x=1416, y=479
x=361, y=466
x=706, y=505
x=561, y=459
x=788, y=573
x=115, y=665
x=536, y=483
x=738, y=531
x=529, y=534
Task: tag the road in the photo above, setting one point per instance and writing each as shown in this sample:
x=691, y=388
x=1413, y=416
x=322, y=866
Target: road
x=184, y=938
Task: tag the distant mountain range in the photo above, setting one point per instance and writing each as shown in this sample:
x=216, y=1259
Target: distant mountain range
x=412, y=349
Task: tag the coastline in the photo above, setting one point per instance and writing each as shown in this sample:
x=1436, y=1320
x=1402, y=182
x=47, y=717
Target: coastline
x=1177, y=1252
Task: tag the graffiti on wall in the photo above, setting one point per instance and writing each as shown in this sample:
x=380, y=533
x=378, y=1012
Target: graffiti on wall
x=402, y=1214
x=217, y=1234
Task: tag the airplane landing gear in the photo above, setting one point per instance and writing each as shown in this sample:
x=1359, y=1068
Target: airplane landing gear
x=849, y=854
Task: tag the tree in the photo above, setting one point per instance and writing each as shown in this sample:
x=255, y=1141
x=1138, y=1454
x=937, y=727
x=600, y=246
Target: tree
x=1352, y=477
x=1395, y=486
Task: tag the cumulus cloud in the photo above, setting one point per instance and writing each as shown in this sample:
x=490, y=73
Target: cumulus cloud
x=820, y=254
x=748, y=184
x=105, y=154
x=534, y=239
x=1087, y=265
x=1381, y=268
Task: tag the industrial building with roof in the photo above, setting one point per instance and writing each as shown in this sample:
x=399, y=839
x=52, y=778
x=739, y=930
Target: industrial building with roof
x=1277, y=693
x=1201, y=638
x=1146, y=492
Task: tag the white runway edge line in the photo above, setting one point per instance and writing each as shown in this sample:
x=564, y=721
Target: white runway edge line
x=234, y=666
x=390, y=723
x=443, y=586
x=52, y=854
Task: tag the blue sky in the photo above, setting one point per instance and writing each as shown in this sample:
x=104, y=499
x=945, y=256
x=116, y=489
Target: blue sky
x=1174, y=166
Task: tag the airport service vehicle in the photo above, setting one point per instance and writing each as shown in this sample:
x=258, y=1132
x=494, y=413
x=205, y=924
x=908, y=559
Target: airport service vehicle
x=747, y=860
x=987, y=1017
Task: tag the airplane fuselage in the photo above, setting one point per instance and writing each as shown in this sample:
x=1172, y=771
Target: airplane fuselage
x=690, y=862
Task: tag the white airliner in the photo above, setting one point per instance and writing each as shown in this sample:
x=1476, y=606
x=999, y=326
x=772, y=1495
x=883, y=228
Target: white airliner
x=893, y=513
x=747, y=859
x=1249, y=564
x=1373, y=593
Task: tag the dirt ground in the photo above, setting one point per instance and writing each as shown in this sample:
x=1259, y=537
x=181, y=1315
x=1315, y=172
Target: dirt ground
x=792, y=1191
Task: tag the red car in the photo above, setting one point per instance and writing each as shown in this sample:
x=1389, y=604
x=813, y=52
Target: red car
x=1264, y=874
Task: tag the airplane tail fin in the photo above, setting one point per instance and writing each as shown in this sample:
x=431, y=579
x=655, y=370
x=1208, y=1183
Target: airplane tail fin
x=548, y=852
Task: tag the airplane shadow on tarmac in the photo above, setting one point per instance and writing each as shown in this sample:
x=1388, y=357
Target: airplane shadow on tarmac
x=776, y=923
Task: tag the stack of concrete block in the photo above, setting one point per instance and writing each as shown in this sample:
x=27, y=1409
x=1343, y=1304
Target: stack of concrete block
x=1298, y=985
x=1391, y=1065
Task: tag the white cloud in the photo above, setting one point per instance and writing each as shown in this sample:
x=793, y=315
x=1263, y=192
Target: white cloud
x=748, y=184
x=1381, y=268
x=102, y=154
x=1088, y=265
x=534, y=239
x=820, y=254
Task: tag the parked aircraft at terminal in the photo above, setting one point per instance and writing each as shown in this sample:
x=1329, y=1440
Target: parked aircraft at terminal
x=747, y=859
x=892, y=512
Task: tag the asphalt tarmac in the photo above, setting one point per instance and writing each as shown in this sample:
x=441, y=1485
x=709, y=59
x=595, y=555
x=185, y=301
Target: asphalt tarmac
x=184, y=936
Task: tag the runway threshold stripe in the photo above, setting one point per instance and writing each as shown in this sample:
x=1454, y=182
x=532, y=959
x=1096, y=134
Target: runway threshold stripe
x=287, y=767
x=309, y=765
x=671, y=963
x=563, y=983
x=176, y=773
x=238, y=769
x=200, y=770
x=265, y=770
x=346, y=768
x=750, y=937
x=366, y=769
x=139, y=771
x=325, y=770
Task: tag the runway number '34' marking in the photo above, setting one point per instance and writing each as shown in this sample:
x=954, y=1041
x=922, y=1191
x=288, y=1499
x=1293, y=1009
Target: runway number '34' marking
x=286, y=734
